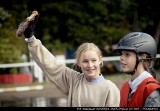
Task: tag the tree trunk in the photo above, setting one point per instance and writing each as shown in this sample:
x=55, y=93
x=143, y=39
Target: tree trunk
x=157, y=34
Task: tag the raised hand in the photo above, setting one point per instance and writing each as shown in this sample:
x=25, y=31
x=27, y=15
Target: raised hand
x=27, y=27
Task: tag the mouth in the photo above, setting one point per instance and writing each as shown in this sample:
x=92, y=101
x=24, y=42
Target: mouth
x=90, y=70
x=123, y=64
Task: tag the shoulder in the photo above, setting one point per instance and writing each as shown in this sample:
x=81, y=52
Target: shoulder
x=110, y=84
x=75, y=75
x=107, y=81
x=153, y=100
x=149, y=85
x=149, y=82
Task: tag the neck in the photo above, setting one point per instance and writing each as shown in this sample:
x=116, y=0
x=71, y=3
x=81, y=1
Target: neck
x=139, y=70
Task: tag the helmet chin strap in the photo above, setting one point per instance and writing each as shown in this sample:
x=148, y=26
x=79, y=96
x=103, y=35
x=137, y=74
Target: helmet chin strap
x=135, y=68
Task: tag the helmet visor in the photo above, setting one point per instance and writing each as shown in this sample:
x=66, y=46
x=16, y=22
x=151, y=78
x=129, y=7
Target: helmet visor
x=124, y=48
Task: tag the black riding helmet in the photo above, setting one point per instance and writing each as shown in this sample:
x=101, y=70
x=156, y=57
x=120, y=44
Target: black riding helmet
x=140, y=43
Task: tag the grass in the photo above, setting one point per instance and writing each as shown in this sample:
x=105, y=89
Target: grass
x=118, y=79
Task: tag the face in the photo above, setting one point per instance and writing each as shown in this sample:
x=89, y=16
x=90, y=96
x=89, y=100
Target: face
x=127, y=61
x=90, y=64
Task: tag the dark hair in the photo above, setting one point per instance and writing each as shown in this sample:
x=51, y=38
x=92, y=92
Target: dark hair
x=148, y=65
x=149, y=68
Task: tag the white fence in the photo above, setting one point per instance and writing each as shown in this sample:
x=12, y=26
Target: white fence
x=39, y=74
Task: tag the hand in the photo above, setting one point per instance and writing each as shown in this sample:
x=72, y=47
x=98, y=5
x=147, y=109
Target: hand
x=31, y=26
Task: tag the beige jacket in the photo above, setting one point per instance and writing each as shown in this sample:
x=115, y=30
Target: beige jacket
x=80, y=92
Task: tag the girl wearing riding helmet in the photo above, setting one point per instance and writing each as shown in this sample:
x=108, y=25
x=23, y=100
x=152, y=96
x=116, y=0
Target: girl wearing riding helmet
x=138, y=51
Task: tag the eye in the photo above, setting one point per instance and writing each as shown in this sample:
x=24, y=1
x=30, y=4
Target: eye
x=84, y=61
x=94, y=60
x=127, y=54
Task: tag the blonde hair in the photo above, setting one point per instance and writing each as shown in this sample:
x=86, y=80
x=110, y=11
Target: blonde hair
x=83, y=48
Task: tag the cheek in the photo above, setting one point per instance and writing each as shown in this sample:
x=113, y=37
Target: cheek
x=131, y=62
x=99, y=64
x=82, y=65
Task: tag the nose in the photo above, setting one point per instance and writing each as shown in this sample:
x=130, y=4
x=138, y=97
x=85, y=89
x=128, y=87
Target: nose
x=90, y=64
x=121, y=57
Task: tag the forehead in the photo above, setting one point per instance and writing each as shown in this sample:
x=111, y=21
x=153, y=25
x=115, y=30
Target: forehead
x=89, y=54
x=127, y=51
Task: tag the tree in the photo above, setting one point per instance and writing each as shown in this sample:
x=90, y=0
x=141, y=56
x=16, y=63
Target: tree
x=74, y=22
x=11, y=47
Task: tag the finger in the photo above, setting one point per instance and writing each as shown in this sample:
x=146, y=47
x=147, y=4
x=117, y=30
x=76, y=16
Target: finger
x=36, y=18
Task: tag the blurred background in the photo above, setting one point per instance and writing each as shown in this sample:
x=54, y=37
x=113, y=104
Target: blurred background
x=63, y=25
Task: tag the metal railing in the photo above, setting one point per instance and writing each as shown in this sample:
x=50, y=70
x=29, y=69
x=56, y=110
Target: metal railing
x=37, y=72
x=66, y=61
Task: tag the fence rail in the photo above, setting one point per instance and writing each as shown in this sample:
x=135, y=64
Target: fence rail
x=66, y=61
x=37, y=73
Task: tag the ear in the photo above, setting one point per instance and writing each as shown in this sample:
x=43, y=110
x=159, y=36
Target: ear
x=101, y=62
x=143, y=56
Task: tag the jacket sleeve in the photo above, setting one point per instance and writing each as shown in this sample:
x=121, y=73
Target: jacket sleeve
x=153, y=100
x=56, y=71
